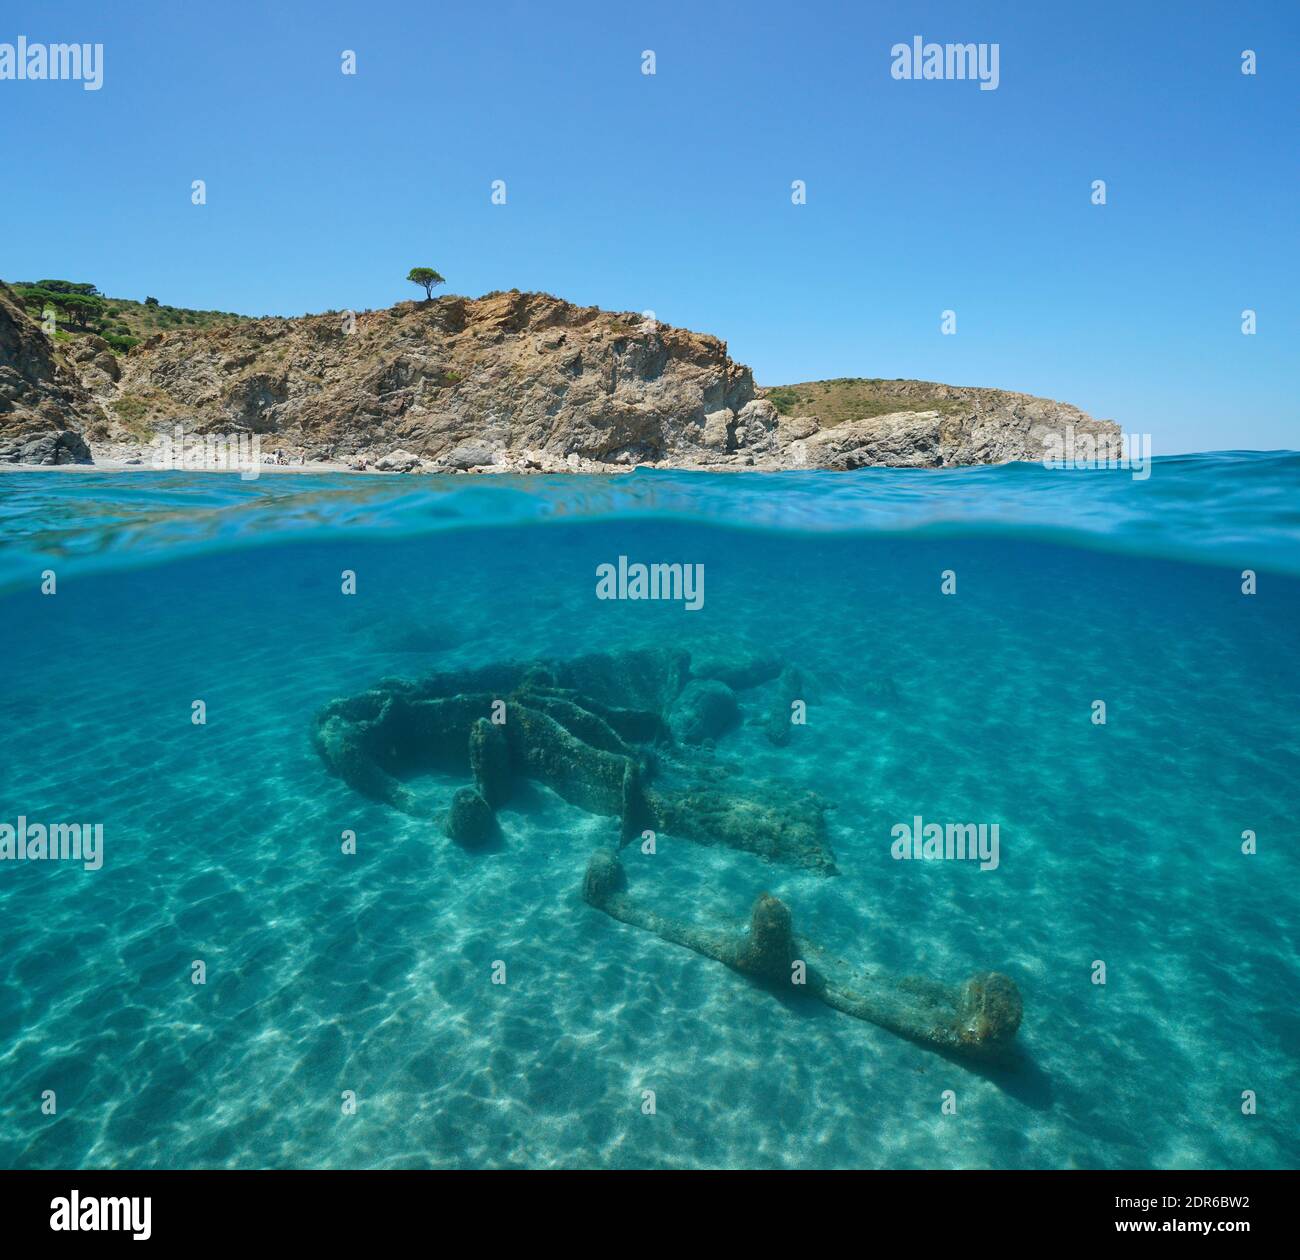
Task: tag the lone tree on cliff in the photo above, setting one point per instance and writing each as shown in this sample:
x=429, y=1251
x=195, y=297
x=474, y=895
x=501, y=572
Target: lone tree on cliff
x=426, y=277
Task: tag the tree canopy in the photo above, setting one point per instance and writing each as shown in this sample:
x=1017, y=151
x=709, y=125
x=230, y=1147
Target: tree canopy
x=426, y=278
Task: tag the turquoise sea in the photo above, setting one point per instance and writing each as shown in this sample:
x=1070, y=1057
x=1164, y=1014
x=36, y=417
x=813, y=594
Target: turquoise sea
x=373, y=973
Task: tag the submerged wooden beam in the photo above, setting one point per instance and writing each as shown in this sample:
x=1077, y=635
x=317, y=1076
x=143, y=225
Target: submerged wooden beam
x=977, y=1019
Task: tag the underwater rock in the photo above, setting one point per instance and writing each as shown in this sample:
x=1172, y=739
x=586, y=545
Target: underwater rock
x=705, y=709
x=979, y=1019
x=470, y=821
x=594, y=729
x=791, y=686
x=644, y=678
x=739, y=673
x=412, y=635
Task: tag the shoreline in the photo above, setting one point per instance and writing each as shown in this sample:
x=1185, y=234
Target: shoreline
x=589, y=468
x=122, y=466
x=602, y=470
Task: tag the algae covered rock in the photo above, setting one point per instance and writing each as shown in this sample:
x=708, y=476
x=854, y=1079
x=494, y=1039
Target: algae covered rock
x=705, y=709
x=790, y=686
x=739, y=671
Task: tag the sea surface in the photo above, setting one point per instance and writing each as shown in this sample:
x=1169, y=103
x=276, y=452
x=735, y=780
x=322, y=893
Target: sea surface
x=333, y=977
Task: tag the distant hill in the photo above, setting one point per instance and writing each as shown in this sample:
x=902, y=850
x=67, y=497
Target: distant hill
x=862, y=398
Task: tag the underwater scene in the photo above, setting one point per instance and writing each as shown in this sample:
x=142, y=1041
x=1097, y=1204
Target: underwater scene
x=888, y=819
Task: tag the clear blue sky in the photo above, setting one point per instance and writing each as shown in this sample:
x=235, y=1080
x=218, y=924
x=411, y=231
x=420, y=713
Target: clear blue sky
x=672, y=193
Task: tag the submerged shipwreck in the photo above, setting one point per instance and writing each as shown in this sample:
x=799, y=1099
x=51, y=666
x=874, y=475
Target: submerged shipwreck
x=620, y=734
x=633, y=736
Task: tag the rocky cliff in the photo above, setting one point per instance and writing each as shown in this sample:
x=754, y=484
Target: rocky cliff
x=46, y=414
x=509, y=381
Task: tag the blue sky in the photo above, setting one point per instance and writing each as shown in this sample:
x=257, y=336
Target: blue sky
x=672, y=192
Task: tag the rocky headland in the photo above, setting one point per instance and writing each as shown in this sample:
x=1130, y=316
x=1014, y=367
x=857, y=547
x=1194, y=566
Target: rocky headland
x=508, y=382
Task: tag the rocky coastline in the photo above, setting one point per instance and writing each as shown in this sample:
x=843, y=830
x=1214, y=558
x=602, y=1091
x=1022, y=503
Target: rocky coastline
x=509, y=382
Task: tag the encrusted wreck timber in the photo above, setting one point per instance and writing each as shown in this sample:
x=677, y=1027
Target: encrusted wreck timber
x=780, y=826
x=595, y=730
x=489, y=761
x=977, y=1019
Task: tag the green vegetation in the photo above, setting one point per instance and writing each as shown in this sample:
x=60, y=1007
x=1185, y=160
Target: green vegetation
x=131, y=407
x=426, y=278
x=133, y=411
x=80, y=305
x=859, y=398
x=81, y=308
x=785, y=399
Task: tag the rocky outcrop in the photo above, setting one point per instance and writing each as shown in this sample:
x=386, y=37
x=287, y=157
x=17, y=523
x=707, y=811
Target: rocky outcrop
x=509, y=382
x=46, y=413
x=993, y=428
x=705, y=709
